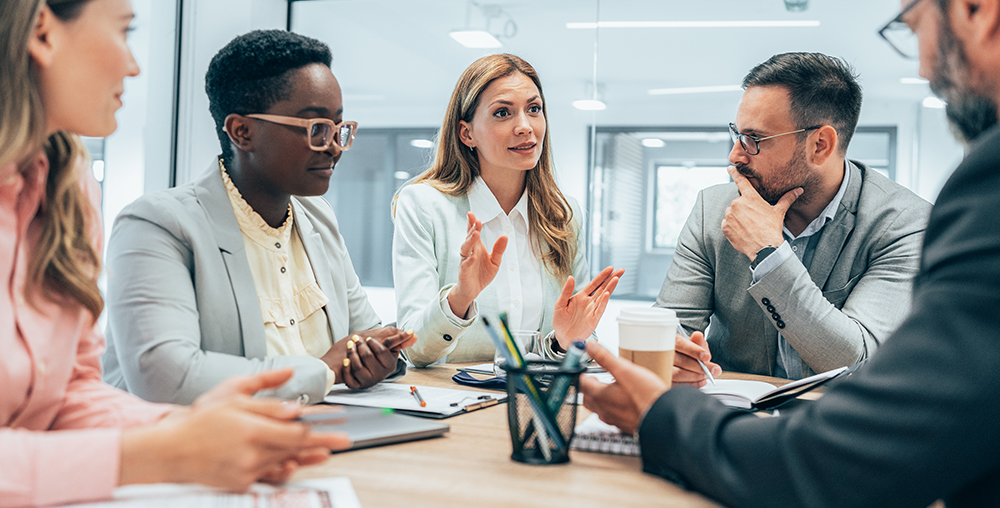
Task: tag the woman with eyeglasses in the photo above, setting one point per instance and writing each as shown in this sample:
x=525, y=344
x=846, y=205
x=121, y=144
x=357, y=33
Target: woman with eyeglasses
x=244, y=270
x=492, y=181
x=65, y=435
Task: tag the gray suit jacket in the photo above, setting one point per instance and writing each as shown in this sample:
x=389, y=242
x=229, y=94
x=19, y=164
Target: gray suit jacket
x=183, y=313
x=855, y=294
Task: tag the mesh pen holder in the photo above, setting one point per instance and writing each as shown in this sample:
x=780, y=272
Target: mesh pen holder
x=526, y=412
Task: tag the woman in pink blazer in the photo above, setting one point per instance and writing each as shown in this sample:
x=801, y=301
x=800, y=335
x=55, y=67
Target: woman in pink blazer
x=64, y=435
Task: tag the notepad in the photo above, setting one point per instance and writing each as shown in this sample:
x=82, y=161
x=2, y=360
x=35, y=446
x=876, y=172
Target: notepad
x=593, y=435
x=441, y=402
x=758, y=395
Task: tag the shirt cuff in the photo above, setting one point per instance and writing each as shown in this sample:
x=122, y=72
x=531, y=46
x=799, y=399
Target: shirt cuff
x=455, y=320
x=772, y=261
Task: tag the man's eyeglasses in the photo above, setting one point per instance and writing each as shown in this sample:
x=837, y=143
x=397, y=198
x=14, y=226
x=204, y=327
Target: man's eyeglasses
x=899, y=36
x=751, y=144
x=321, y=133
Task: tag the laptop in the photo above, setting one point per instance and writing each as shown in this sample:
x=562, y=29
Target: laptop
x=368, y=426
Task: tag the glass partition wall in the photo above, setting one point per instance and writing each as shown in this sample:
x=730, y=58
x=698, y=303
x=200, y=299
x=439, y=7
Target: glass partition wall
x=659, y=83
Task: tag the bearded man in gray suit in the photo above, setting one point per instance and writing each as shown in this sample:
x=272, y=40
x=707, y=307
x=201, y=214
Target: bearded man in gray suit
x=804, y=263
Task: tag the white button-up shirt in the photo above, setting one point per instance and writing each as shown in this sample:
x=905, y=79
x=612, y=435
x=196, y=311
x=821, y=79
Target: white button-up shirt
x=518, y=283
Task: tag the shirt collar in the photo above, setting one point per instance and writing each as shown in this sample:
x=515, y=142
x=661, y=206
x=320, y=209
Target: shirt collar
x=830, y=212
x=485, y=206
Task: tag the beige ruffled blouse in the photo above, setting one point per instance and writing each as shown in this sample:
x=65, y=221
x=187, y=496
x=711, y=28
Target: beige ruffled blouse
x=291, y=302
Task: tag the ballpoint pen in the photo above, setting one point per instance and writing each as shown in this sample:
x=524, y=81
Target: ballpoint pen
x=708, y=374
x=415, y=393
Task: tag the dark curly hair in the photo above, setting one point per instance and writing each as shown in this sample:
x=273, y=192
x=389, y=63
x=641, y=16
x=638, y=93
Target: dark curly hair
x=250, y=74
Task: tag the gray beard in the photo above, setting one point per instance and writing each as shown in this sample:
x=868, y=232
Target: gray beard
x=969, y=113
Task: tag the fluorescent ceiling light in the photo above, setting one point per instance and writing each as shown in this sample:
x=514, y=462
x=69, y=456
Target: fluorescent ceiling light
x=421, y=143
x=653, y=143
x=590, y=105
x=401, y=175
x=933, y=103
x=695, y=89
x=475, y=39
x=692, y=24
x=913, y=81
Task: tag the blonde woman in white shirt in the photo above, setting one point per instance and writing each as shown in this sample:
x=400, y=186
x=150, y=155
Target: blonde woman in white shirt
x=492, y=181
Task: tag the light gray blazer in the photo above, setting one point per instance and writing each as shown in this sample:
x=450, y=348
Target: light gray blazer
x=183, y=313
x=855, y=294
x=429, y=228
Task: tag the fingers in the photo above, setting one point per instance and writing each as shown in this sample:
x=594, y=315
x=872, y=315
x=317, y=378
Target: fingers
x=347, y=376
x=590, y=387
x=786, y=201
x=744, y=185
x=498, y=249
x=358, y=368
x=471, y=222
x=271, y=408
x=604, y=358
x=400, y=341
x=567, y=292
x=600, y=280
x=317, y=441
x=383, y=355
x=249, y=385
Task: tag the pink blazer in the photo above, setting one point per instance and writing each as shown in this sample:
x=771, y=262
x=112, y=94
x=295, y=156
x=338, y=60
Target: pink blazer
x=60, y=426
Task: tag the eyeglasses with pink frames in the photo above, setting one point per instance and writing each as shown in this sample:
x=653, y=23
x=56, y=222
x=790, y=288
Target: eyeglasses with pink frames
x=321, y=133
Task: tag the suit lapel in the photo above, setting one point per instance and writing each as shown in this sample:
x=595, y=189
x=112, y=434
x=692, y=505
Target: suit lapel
x=835, y=233
x=214, y=199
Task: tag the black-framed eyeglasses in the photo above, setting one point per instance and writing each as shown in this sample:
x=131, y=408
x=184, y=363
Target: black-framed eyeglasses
x=899, y=36
x=321, y=133
x=751, y=143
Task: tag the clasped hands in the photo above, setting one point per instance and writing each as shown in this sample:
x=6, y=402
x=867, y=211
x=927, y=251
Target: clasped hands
x=365, y=358
x=575, y=315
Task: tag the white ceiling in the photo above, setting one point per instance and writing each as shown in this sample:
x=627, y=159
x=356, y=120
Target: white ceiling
x=397, y=64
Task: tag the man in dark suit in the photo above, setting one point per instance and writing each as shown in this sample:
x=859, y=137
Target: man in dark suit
x=919, y=421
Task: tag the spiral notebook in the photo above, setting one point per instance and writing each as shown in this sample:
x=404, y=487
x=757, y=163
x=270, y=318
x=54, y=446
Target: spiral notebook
x=593, y=435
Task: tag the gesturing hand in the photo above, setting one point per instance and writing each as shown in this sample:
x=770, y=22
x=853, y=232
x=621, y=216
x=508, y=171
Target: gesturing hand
x=477, y=268
x=623, y=402
x=752, y=223
x=576, y=316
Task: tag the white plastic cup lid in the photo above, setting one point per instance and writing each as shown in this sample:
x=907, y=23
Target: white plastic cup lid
x=648, y=316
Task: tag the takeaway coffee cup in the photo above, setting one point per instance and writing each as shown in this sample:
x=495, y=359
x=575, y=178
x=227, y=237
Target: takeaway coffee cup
x=646, y=337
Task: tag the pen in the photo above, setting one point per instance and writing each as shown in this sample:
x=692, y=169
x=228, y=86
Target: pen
x=413, y=390
x=683, y=333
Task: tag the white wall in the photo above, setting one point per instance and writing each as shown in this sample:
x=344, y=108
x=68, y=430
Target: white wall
x=208, y=26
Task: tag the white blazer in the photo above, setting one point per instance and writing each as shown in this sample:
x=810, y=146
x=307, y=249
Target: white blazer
x=429, y=228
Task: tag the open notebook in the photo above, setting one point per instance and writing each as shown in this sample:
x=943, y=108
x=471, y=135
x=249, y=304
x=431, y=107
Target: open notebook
x=760, y=396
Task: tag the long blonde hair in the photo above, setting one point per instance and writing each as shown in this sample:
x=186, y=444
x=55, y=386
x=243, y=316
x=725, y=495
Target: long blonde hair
x=456, y=166
x=65, y=261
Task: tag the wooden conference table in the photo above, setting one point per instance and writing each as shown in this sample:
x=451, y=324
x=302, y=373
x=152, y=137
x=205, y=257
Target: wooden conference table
x=471, y=466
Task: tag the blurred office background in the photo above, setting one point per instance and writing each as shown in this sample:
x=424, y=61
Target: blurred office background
x=664, y=73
